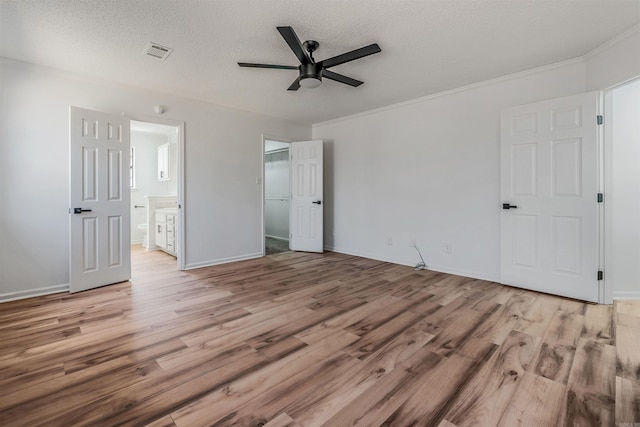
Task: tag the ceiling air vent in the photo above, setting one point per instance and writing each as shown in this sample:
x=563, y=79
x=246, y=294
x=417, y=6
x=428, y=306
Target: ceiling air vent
x=158, y=51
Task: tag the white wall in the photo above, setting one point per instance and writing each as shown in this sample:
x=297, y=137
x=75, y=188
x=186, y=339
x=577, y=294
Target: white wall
x=147, y=184
x=622, y=192
x=429, y=170
x=276, y=193
x=223, y=161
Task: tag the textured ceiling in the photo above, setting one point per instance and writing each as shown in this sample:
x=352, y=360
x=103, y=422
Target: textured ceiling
x=427, y=46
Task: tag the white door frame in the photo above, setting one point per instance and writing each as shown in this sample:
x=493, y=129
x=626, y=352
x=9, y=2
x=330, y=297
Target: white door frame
x=181, y=252
x=266, y=137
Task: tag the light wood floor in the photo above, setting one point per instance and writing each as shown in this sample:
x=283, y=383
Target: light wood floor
x=305, y=339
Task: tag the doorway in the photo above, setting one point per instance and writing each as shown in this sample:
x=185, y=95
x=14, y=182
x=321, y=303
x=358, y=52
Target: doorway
x=154, y=178
x=276, y=196
x=622, y=191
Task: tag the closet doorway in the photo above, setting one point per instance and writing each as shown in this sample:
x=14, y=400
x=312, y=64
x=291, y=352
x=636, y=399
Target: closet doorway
x=276, y=196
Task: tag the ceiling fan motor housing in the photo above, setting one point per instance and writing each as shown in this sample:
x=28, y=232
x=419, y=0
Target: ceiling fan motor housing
x=310, y=70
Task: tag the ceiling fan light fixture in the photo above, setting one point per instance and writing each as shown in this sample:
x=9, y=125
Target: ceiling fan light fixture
x=310, y=81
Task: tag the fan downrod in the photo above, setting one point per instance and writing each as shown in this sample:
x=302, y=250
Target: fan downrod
x=311, y=46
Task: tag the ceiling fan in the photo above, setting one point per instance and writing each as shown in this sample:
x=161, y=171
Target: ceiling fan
x=312, y=72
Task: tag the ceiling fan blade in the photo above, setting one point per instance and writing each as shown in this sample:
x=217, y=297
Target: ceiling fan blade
x=279, y=67
x=295, y=85
x=340, y=78
x=294, y=43
x=351, y=56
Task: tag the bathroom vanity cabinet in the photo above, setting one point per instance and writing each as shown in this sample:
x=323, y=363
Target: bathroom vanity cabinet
x=166, y=230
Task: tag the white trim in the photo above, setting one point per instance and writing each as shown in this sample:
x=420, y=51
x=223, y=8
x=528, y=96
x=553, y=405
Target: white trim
x=30, y=293
x=629, y=295
x=607, y=177
x=602, y=285
x=211, y=263
x=453, y=91
x=136, y=242
x=432, y=267
x=630, y=32
x=284, y=239
x=181, y=254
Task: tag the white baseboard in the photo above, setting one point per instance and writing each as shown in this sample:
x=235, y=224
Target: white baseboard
x=201, y=264
x=136, y=242
x=433, y=267
x=626, y=295
x=30, y=293
x=284, y=239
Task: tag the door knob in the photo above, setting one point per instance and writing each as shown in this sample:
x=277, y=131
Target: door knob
x=80, y=210
x=317, y=202
x=508, y=206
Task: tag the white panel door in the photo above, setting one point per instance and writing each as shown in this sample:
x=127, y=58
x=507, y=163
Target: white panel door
x=100, y=252
x=306, y=216
x=549, y=185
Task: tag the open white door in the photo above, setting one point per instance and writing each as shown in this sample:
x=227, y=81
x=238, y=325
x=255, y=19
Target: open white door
x=100, y=253
x=550, y=184
x=306, y=216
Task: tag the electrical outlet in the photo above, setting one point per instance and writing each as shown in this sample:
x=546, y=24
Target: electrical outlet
x=448, y=248
x=412, y=243
x=389, y=240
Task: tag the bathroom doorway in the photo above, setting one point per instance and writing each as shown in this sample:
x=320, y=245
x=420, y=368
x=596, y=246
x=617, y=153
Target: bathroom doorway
x=276, y=196
x=155, y=190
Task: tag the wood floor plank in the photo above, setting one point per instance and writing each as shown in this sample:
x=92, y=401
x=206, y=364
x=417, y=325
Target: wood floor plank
x=627, y=401
x=375, y=339
x=454, y=333
x=282, y=420
x=317, y=332
x=631, y=307
x=536, y=402
x=232, y=395
x=555, y=356
x=537, y=318
x=380, y=402
x=267, y=406
x=162, y=422
x=427, y=405
x=142, y=402
x=404, y=353
x=485, y=398
x=307, y=339
x=248, y=326
x=599, y=324
x=48, y=408
x=628, y=346
x=590, y=395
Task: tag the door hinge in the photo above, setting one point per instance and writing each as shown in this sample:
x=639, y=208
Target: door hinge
x=600, y=275
x=600, y=197
x=600, y=119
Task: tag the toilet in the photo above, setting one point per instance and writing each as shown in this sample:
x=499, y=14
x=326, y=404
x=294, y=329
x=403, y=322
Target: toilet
x=145, y=236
